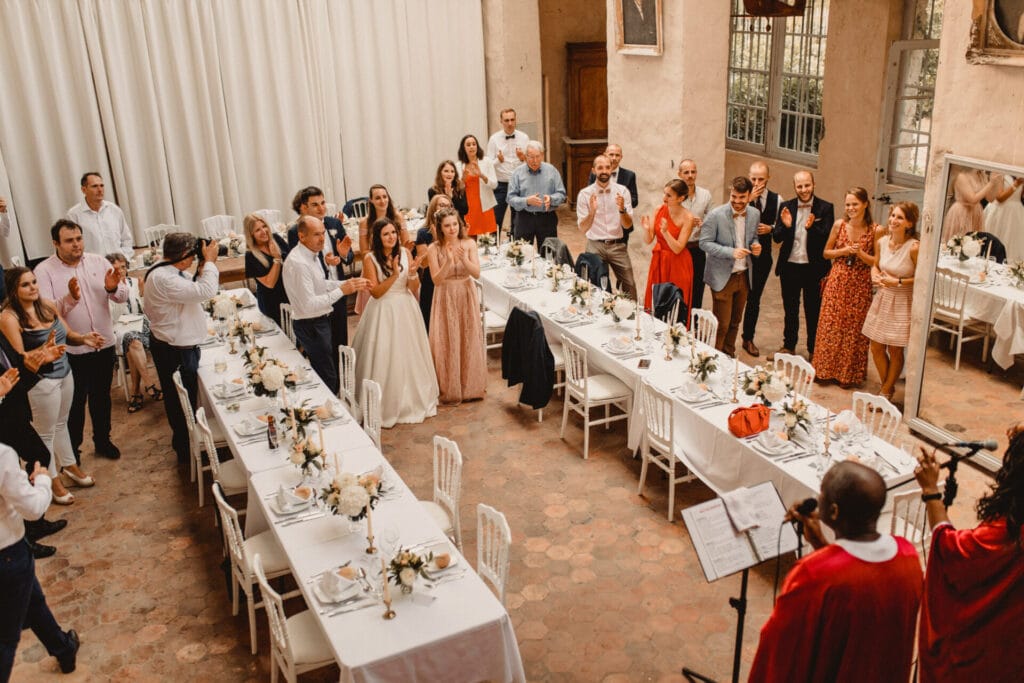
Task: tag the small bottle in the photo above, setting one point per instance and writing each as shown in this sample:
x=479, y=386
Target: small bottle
x=271, y=432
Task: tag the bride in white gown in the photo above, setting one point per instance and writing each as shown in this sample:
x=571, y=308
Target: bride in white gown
x=1004, y=218
x=391, y=343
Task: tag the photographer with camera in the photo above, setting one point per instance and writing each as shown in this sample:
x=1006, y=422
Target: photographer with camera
x=177, y=322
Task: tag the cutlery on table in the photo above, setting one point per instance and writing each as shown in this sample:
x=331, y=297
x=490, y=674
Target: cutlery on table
x=298, y=520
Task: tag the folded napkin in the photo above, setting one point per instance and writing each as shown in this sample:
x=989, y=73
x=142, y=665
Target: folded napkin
x=622, y=343
x=772, y=442
x=339, y=583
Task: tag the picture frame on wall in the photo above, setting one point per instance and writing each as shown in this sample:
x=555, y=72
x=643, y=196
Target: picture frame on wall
x=997, y=33
x=638, y=27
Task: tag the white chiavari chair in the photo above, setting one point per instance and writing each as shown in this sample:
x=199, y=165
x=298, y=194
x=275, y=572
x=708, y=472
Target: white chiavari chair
x=798, y=370
x=371, y=411
x=493, y=545
x=583, y=392
x=444, y=508
x=656, y=446
x=704, y=325
x=217, y=227
x=878, y=415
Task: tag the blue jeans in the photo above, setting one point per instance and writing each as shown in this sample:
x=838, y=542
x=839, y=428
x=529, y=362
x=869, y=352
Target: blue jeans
x=314, y=336
x=22, y=605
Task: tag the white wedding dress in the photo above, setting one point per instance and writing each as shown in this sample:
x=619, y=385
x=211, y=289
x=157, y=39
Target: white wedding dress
x=1005, y=220
x=392, y=349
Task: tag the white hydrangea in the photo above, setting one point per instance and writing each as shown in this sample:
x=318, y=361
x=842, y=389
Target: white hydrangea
x=353, y=500
x=346, y=480
x=775, y=390
x=297, y=457
x=223, y=308
x=273, y=378
x=623, y=308
x=970, y=246
x=407, y=576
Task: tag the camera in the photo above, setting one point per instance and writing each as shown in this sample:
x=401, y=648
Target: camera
x=201, y=244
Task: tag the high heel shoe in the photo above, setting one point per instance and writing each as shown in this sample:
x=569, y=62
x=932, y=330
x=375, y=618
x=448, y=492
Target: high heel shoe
x=84, y=482
x=154, y=392
x=66, y=499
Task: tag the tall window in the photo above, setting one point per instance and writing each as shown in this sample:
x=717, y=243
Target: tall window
x=776, y=71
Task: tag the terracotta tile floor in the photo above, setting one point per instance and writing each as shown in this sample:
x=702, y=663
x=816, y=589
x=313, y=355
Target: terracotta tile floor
x=602, y=587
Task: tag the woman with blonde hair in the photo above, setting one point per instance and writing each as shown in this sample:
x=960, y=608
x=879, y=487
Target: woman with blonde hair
x=425, y=236
x=264, y=258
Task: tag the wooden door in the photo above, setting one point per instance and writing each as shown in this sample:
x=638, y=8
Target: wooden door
x=588, y=90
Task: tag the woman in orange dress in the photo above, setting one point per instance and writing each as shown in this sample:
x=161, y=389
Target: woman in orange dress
x=478, y=174
x=670, y=228
x=841, y=349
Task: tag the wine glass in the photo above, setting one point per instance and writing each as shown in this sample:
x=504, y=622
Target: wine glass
x=388, y=538
x=906, y=456
x=604, y=283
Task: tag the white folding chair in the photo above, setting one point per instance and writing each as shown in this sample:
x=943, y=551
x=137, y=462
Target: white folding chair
x=195, y=445
x=286, y=322
x=297, y=643
x=360, y=207
x=444, y=508
x=155, y=234
x=231, y=475
x=880, y=417
x=272, y=217
x=704, y=325
x=493, y=324
x=347, y=385
x=948, y=313
x=241, y=551
x=656, y=447
x=493, y=543
x=217, y=227
x=909, y=519
x=371, y=411
x=798, y=370
x=583, y=392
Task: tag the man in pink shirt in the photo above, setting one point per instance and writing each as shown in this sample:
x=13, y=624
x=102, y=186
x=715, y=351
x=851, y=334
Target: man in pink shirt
x=82, y=285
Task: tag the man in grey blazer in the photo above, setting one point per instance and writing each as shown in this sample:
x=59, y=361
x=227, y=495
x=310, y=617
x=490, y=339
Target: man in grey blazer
x=729, y=238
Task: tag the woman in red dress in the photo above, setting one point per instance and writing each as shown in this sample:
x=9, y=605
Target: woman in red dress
x=841, y=349
x=670, y=228
x=480, y=179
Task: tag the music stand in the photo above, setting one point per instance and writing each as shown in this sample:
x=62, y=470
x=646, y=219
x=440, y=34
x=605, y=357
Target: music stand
x=726, y=543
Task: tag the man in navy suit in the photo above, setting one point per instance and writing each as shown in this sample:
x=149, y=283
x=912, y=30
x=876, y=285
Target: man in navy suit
x=767, y=203
x=729, y=238
x=802, y=228
x=310, y=201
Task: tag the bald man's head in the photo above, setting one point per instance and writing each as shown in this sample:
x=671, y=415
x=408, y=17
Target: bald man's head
x=852, y=497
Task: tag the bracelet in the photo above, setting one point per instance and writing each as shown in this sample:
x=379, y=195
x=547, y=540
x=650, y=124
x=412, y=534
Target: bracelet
x=931, y=496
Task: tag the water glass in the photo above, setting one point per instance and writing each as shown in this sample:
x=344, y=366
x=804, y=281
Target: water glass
x=220, y=366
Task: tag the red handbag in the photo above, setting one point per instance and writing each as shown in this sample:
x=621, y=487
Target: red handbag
x=744, y=422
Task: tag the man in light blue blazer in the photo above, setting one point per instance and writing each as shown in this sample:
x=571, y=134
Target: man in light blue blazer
x=728, y=236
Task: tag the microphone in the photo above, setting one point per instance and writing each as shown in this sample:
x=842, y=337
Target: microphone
x=989, y=445
x=806, y=507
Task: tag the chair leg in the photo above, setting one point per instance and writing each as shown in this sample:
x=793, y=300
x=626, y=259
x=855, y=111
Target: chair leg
x=252, y=619
x=234, y=594
x=671, y=487
x=607, y=414
x=586, y=432
x=273, y=665
x=959, y=346
x=199, y=475
x=565, y=415
x=643, y=471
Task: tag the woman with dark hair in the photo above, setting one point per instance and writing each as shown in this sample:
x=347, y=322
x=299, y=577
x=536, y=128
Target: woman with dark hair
x=840, y=349
x=456, y=339
x=425, y=236
x=264, y=260
x=390, y=343
x=973, y=604
x=888, y=321
x=28, y=321
x=447, y=183
x=381, y=206
x=670, y=229
x=478, y=174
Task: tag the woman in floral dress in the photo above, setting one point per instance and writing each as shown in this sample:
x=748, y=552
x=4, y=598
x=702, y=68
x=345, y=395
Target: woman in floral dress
x=841, y=349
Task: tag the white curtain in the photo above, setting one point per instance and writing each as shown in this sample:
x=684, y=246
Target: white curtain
x=191, y=108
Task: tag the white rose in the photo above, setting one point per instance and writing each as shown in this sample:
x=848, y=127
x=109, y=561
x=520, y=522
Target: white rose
x=297, y=457
x=790, y=420
x=345, y=480
x=407, y=576
x=224, y=308
x=774, y=391
x=971, y=247
x=353, y=500
x=333, y=499
x=273, y=378
x=623, y=308
x=566, y=270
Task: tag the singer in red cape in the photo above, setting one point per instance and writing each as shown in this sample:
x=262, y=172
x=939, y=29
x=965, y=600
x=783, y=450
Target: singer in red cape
x=973, y=608
x=847, y=611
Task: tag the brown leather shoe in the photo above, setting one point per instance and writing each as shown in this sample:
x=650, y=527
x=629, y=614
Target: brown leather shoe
x=751, y=348
x=771, y=356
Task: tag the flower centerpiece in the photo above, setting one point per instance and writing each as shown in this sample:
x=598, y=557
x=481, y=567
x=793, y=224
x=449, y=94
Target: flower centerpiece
x=554, y=273
x=964, y=246
x=406, y=566
x=222, y=306
x=766, y=384
x=486, y=241
x=795, y=416
x=579, y=293
x=519, y=251
x=233, y=245
x=674, y=335
x=297, y=418
x=702, y=365
x=618, y=306
x=306, y=455
x=150, y=256
x=1016, y=272
x=352, y=496
x=266, y=375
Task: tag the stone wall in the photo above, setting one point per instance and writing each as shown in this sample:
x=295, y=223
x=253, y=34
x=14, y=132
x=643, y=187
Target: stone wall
x=512, y=63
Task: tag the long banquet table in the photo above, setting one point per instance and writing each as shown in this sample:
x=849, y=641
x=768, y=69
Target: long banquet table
x=457, y=631
x=701, y=435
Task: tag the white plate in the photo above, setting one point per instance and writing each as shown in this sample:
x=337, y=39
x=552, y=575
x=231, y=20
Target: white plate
x=619, y=350
x=693, y=394
x=290, y=509
x=227, y=390
x=440, y=549
x=513, y=283
x=771, y=444
x=249, y=427
x=563, y=316
x=349, y=591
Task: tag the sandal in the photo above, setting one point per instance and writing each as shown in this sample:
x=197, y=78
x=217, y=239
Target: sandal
x=154, y=392
x=135, y=404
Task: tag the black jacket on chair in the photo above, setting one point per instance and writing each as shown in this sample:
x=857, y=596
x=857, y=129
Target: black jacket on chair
x=664, y=296
x=596, y=269
x=526, y=358
x=558, y=249
x=997, y=249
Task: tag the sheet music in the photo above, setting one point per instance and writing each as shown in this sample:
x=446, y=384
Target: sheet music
x=721, y=549
x=769, y=511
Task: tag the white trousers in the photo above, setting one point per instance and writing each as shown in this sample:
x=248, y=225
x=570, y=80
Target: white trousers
x=51, y=402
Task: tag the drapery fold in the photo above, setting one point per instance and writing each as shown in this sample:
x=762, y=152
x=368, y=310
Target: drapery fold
x=191, y=108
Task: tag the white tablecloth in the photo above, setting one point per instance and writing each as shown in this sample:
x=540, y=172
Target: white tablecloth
x=462, y=634
x=995, y=301
x=702, y=437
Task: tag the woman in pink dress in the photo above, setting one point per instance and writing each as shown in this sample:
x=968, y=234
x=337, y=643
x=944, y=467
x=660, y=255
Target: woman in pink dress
x=670, y=229
x=456, y=339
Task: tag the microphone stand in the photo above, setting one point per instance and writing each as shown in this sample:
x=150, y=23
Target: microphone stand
x=954, y=461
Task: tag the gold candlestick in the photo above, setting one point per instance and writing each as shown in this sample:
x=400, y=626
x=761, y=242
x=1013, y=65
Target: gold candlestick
x=386, y=592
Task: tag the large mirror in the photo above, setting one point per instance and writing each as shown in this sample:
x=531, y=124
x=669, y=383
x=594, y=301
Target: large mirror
x=971, y=382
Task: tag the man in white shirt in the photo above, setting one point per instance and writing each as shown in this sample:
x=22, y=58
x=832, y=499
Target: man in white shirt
x=83, y=285
x=103, y=223
x=697, y=202
x=508, y=149
x=313, y=295
x=603, y=211
x=22, y=603
x=177, y=323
